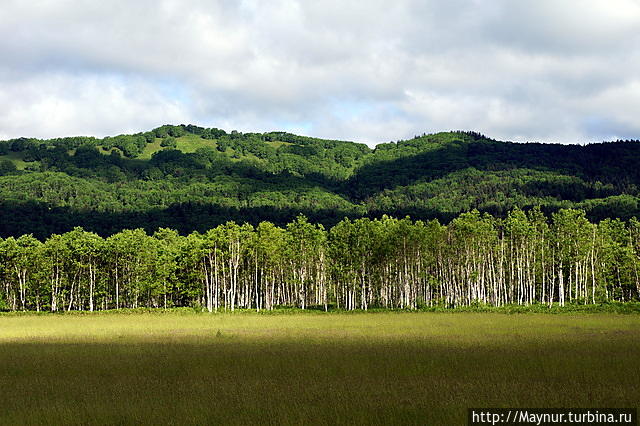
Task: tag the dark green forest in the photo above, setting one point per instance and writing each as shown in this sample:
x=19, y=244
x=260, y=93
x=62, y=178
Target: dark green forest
x=190, y=178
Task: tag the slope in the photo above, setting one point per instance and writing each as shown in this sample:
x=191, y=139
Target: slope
x=192, y=178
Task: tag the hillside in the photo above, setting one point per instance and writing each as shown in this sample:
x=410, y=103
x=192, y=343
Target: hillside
x=192, y=178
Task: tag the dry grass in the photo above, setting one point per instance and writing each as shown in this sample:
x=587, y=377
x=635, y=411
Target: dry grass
x=312, y=368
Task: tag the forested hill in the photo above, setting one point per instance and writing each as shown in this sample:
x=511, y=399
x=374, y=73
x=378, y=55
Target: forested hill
x=193, y=178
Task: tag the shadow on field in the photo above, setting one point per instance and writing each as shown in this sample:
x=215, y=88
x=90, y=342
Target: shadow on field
x=231, y=380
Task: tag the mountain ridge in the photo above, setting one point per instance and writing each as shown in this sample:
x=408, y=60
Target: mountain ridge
x=190, y=177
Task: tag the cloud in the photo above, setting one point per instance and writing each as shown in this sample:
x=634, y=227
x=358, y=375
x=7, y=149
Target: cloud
x=65, y=105
x=552, y=70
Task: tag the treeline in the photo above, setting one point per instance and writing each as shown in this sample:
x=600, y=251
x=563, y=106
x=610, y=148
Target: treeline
x=392, y=263
x=155, y=155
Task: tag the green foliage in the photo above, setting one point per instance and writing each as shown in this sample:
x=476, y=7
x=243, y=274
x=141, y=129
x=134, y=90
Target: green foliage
x=169, y=142
x=7, y=167
x=194, y=178
x=477, y=262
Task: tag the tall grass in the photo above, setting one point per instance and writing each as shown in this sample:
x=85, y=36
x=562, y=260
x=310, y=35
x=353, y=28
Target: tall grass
x=318, y=368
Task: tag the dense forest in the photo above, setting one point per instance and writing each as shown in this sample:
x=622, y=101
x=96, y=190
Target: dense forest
x=360, y=264
x=191, y=178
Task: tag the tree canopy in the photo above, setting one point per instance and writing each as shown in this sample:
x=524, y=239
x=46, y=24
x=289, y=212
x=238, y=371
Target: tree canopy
x=522, y=259
x=193, y=178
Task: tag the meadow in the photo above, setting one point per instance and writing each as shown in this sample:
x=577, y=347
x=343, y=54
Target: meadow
x=309, y=368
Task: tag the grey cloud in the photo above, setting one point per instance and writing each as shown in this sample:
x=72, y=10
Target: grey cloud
x=567, y=27
x=556, y=70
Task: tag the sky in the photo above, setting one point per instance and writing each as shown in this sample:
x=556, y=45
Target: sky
x=371, y=71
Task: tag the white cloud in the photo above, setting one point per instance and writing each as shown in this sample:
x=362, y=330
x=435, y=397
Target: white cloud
x=64, y=105
x=553, y=70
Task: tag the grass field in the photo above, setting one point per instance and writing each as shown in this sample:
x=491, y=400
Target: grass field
x=16, y=158
x=318, y=368
x=188, y=143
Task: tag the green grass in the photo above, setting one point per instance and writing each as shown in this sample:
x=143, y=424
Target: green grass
x=150, y=149
x=17, y=159
x=569, y=308
x=190, y=143
x=187, y=143
x=278, y=144
x=394, y=367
